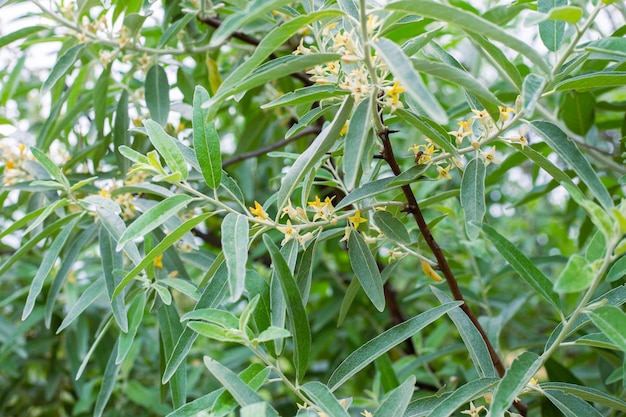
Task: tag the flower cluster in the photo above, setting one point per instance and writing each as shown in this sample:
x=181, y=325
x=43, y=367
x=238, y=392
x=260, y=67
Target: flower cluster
x=15, y=157
x=350, y=72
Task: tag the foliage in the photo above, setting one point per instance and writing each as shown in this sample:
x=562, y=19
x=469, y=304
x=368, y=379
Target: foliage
x=261, y=208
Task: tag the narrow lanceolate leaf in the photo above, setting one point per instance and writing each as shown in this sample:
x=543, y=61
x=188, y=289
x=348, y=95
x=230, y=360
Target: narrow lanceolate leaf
x=612, y=46
x=116, y=227
x=551, y=31
x=473, y=196
x=517, y=376
x=570, y=405
x=62, y=66
x=384, y=342
x=19, y=34
x=157, y=91
x=522, y=265
x=356, y=143
x=49, y=165
x=321, y=396
x=531, y=92
x=206, y=142
x=255, y=9
x=470, y=22
x=295, y=307
x=100, y=101
x=506, y=68
x=402, y=69
x=474, y=342
x=611, y=320
x=398, y=401
x=108, y=383
x=135, y=316
x=594, y=80
x=153, y=218
x=463, y=395
x=170, y=330
x=366, y=270
x=235, y=249
x=45, y=267
x=87, y=298
x=306, y=95
x=430, y=129
x=576, y=276
x=166, y=146
x=322, y=144
x=587, y=394
x=120, y=131
x=367, y=190
x=112, y=260
x=393, y=228
x=567, y=150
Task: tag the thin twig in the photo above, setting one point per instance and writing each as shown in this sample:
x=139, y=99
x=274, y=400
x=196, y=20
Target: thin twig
x=312, y=130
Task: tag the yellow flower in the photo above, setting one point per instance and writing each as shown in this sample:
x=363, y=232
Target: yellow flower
x=473, y=411
x=366, y=413
x=301, y=49
x=344, y=129
x=489, y=156
x=258, y=211
x=356, y=220
x=482, y=116
x=443, y=172
x=323, y=210
x=504, y=113
x=104, y=193
x=158, y=261
x=289, y=232
x=423, y=153
x=460, y=134
x=466, y=125
x=393, y=93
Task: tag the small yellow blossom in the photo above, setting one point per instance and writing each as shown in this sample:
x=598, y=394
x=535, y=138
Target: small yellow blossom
x=466, y=125
x=259, y=212
x=393, y=96
x=474, y=411
x=346, y=234
x=158, y=261
x=520, y=138
x=482, y=116
x=423, y=153
x=372, y=24
x=357, y=82
x=104, y=193
x=489, y=156
x=366, y=413
x=460, y=134
x=301, y=49
x=344, y=129
x=289, y=232
x=504, y=113
x=444, y=172
x=305, y=238
x=356, y=220
x=9, y=165
x=395, y=254
x=323, y=210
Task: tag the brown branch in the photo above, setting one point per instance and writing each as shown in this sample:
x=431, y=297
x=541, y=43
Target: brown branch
x=444, y=267
x=312, y=130
x=215, y=22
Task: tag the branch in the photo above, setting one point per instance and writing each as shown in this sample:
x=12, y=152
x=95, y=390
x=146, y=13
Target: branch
x=414, y=209
x=312, y=130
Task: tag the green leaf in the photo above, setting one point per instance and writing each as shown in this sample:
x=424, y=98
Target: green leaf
x=517, y=376
x=49, y=165
x=463, y=395
x=551, y=31
x=111, y=261
x=307, y=159
x=62, y=66
x=473, y=196
x=135, y=316
x=116, y=227
x=411, y=175
x=577, y=110
x=610, y=320
x=567, y=150
x=46, y=265
x=254, y=10
x=235, y=248
x=460, y=78
x=306, y=95
x=175, y=28
x=356, y=143
x=157, y=92
x=522, y=265
x=402, y=69
x=428, y=128
x=569, y=14
x=299, y=323
x=153, y=218
x=398, y=400
x=109, y=379
x=474, y=342
x=19, y=34
x=366, y=270
x=321, y=396
x=120, y=131
x=532, y=89
x=87, y=298
x=384, y=342
x=608, y=46
x=100, y=99
x=367, y=190
x=587, y=394
x=47, y=211
x=206, y=141
x=270, y=42
x=261, y=409
x=393, y=228
x=617, y=271
x=570, y=405
x=212, y=296
x=471, y=23
x=272, y=333
x=593, y=80
x=223, y=319
x=501, y=62
x=166, y=146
